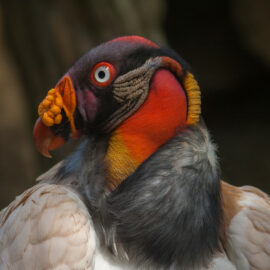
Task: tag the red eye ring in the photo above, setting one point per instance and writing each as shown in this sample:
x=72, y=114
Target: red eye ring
x=102, y=74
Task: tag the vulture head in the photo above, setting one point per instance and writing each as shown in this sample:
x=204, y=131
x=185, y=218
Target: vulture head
x=129, y=88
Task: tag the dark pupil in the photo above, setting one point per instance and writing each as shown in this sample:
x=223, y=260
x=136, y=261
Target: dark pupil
x=101, y=74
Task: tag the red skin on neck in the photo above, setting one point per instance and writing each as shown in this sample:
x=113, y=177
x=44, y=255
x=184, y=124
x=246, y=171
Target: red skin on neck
x=162, y=115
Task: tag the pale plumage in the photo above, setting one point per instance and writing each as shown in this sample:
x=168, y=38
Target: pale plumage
x=248, y=235
x=47, y=227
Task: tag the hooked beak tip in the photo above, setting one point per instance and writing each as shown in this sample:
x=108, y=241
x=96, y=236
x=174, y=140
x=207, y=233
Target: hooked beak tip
x=45, y=140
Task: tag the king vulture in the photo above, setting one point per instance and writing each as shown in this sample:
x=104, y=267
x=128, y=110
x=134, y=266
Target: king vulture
x=143, y=190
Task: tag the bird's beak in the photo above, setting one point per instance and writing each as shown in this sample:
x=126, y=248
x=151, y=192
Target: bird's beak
x=56, y=115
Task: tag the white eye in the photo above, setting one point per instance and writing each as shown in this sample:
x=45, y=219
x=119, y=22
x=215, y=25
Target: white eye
x=102, y=74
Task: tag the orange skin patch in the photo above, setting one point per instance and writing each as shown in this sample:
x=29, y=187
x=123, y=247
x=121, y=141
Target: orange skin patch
x=162, y=115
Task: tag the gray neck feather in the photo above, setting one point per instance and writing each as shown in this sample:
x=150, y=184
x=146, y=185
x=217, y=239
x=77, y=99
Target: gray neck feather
x=83, y=170
x=167, y=213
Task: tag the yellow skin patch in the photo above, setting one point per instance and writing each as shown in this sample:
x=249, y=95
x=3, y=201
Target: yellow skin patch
x=119, y=161
x=49, y=110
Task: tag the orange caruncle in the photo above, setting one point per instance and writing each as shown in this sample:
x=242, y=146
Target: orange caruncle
x=50, y=108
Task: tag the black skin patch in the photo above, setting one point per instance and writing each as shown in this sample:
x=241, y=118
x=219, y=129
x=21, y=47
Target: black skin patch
x=63, y=129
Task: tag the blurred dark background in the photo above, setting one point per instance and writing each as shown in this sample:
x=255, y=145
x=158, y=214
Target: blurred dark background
x=226, y=42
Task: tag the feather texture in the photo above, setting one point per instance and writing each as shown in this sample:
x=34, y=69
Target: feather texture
x=248, y=234
x=47, y=227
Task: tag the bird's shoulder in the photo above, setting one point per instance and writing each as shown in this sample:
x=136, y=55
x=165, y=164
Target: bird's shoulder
x=248, y=233
x=47, y=225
